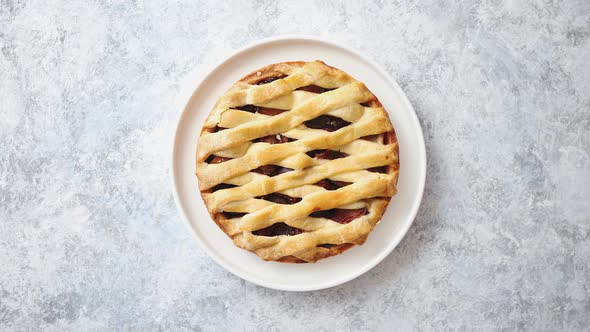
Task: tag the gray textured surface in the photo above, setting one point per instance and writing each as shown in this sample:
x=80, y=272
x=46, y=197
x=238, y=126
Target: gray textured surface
x=89, y=235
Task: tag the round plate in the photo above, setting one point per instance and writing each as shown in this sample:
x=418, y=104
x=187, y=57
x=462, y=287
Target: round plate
x=333, y=270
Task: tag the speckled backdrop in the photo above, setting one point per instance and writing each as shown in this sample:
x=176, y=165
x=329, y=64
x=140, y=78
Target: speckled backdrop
x=89, y=234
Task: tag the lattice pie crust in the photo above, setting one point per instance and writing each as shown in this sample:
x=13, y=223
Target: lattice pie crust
x=297, y=162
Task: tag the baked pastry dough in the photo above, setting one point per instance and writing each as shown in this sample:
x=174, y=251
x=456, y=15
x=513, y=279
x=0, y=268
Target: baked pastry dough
x=297, y=161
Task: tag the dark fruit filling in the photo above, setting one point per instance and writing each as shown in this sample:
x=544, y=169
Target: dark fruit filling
x=326, y=154
x=270, y=111
x=381, y=169
x=341, y=216
x=260, y=109
x=314, y=89
x=278, y=229
x=331, y=185
x=248, y=108
x=280, y=198
x=232, y=215
x=271, y=170
x=213, y=159
x=270, y=79
x=326, y=122
x=275, y=139
x=222, y=186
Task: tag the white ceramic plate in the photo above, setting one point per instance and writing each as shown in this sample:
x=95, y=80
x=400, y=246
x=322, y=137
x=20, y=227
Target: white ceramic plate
x=334, y=270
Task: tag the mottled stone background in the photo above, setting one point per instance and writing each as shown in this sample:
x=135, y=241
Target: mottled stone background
x=89, y=235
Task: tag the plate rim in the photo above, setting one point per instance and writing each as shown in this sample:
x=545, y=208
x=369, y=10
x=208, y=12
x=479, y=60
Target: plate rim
x=208, y=71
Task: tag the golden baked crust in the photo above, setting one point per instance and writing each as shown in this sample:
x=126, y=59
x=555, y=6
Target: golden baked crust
x=297, y=162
